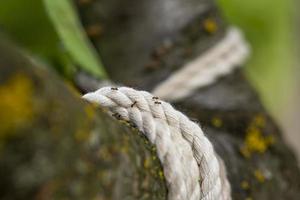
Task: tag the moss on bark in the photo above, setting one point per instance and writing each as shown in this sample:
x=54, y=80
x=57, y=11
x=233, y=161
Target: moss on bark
x=56, y=146
x=142, y=42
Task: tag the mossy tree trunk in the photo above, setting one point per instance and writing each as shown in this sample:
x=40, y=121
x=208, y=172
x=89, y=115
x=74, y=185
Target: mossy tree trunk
x=142, y=42
x=53, y=145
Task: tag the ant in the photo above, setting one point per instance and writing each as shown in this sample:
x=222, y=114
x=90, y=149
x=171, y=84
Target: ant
x=134, y=103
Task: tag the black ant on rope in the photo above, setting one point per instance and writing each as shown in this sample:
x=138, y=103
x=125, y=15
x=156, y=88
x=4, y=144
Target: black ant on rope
x=134, y=103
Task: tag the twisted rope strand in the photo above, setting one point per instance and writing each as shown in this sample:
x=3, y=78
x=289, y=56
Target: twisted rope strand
x=218, y=61
x=191, y=167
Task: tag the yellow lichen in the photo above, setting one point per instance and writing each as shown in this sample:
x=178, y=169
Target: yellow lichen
x=125, y=149
x=89, y=111
x=161, y=174
x=245, y=185
x=125, y=146
x=153, y=149
x=147, y=163
x=255, y=141
x=217, y=122
x=16, y=104
x=83, y=133
x=259, y=176
x=210, y=25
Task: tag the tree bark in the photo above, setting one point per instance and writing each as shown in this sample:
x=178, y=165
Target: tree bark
x=142, y=42
x=53, y=145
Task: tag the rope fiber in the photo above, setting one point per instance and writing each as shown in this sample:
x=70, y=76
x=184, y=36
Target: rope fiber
x=191, y=167
x=220, y=60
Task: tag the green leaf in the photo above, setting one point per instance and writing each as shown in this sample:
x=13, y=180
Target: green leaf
x=28, y=25
x=66, y=22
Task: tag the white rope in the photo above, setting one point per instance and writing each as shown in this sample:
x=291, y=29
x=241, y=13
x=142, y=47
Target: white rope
x=191, y=167
x=218, y=61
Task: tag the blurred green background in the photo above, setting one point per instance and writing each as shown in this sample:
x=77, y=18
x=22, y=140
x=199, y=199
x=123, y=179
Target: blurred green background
x=270, y=26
